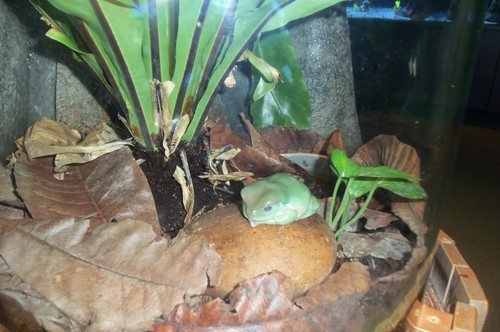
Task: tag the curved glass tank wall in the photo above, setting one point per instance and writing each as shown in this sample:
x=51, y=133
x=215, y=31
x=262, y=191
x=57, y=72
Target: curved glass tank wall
x=394, y=68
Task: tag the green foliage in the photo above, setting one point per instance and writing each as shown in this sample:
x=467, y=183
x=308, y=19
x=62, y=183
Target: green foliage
x=360, y=181
x=280, y=104
x=138, y=48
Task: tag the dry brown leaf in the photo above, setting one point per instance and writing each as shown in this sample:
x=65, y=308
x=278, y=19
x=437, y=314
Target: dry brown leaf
x=384, y=245
x=111, y=187
x=11, y=207
x=249, y=159
x=258, y=141
x=51, y=138
x=264, y=298
x=7, y=188
x=387, y=150
x=337, y=300
x=118, y=276
x=335, y=141
x=47, y=133
x=291, y=140
x=23, y=309
x=264, y=303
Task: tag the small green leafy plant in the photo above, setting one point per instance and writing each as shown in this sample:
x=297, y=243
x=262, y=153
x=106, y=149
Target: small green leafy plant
x=362, y=182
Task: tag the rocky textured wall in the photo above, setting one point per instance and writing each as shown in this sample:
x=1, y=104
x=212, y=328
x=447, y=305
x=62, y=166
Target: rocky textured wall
x=323, y=48
x=28, y=72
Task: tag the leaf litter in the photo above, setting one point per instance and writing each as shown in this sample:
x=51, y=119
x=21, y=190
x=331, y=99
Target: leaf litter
x=109, y=267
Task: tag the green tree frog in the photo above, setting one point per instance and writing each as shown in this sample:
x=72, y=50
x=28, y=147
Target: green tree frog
x=278, y=199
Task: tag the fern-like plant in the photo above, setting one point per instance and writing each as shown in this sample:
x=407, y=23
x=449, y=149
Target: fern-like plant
x=164, y=60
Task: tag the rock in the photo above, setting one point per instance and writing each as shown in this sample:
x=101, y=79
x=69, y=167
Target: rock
x=323, y=48
x=380, y=245
x=304, y=250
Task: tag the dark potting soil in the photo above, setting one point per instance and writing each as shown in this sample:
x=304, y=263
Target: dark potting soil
x=167, y=192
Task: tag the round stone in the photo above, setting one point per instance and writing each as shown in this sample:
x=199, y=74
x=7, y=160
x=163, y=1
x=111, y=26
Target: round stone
x=304, y=250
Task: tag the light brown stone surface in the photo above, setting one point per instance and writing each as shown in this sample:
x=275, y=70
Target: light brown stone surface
x=304, y=250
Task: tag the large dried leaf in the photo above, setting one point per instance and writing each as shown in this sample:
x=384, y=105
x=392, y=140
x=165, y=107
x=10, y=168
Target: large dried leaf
x=387, y=150
x=118, y=276
x=23, y=309
x=257, y=140
x=111, y=187
x=264, y=303
x=249, y=159
x=290, y=140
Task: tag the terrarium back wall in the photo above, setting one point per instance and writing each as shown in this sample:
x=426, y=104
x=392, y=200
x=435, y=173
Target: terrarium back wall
x=27, y=72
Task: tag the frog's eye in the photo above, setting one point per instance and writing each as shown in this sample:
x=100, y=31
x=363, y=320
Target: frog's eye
x=268, y=207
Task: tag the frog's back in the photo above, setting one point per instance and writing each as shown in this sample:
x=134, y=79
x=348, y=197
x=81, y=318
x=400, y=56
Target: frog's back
x=299, y=195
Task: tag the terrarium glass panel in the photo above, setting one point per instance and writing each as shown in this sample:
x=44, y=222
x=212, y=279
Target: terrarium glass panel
x=227, y=164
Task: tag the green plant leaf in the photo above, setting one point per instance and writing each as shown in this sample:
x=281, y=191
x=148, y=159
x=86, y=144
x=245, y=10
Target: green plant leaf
x=404, y=189
x=383, y=172
x=114, y=32
x=288, y=104
x=359, y=188
x=268, y=72
x=342, y=166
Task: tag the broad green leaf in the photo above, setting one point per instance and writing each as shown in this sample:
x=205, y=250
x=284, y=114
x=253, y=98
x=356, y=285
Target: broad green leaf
x=163, y=32
x=127, y=3
x=288, y=104
x=206, y=47
x=341, y=165
x=383, y=172
x=404, y=189
x=188, y=34
x=360, y=188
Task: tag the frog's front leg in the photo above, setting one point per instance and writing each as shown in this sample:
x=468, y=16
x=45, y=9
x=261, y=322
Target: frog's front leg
x=285, y=216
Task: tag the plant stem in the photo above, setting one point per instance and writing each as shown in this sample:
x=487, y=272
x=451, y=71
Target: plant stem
x=332, y=203
x=357, y=215
x=343, y=205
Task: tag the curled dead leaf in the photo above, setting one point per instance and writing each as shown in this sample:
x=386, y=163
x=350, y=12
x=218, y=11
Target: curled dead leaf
x=264, y=303
x=50, y=138
x=249, y=159
x=111, y=187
